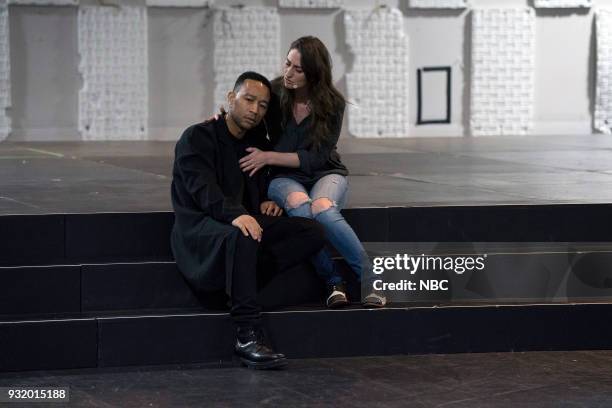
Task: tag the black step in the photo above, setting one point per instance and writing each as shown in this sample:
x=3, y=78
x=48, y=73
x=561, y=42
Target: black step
x=48, y=344
x=29, y=291
x=207, y=337
x=40, y=289
x=123, y=237
x=525, y=272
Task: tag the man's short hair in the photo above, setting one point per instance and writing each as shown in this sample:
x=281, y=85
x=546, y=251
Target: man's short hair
x=253, y=76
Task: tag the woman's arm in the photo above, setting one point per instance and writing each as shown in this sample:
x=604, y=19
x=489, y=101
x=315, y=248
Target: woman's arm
x=282, y=159
x=256, y=159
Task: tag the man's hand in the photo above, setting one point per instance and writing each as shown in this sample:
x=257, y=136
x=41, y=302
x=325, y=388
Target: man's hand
x=270, y=208
x=253, y=161
x=249, y=226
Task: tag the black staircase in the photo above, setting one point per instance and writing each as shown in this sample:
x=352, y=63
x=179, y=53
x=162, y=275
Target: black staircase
x=98, y=290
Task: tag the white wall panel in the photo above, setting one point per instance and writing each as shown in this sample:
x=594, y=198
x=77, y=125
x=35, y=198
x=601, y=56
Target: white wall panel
x=311, y=3
x=562, y=3
x=113, y=102
x=378, y=84
x=603, y=98
x=246, y=39
x=563, y=57
x=44, y=2
x=179, y=3
x=5, y=72
x=503, y=54
x=438, y=3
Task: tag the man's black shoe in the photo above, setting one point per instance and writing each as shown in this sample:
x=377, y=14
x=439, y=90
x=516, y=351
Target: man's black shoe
x=336, y=296
x=253, y=353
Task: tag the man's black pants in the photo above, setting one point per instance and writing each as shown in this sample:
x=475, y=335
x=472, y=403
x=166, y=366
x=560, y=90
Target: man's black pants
x=285, y=243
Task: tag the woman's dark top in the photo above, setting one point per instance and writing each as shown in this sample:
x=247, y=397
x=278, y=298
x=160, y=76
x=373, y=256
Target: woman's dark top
x=295, y=138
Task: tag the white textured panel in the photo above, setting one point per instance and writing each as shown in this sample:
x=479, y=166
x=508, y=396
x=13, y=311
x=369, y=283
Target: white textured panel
x=311, y=3
x=5, y=72
x=113, y=103
x=246, y=39
x=503, y=54
x=603, y=98
x=179, y=3
x=45, y=2
x=438, y=4
x=562, y=3
x=378, y=83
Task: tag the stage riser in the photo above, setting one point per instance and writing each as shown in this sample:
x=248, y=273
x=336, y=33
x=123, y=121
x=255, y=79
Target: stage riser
x=85, y=238
x=120, y=237
x=46, y=345
x=126, y=341
x=45, y=291
x=105, y=236
x=135, y=286
x=371, y=332
x=32, y=239
x=165, y=340
x=539, y=276
x=40, y=290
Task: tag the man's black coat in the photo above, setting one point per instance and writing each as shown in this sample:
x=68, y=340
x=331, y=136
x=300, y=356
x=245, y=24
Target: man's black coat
x=207, y=195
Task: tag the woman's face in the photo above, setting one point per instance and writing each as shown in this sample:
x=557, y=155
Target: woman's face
x=293, y=76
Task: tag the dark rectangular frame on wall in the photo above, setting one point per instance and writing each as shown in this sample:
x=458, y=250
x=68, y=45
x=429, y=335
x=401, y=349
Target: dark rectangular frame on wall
x=420, y=120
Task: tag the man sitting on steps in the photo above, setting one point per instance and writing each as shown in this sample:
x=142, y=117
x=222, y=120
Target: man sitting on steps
x=224, y=223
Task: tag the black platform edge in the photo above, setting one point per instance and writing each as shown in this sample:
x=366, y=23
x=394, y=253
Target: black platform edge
x=108, y=235
x=120, y=286
x=32, y=239
x=71, y=290
x=208, y=337
x=40, y=289
x=48, y=344
x=76, y=290
x=502, y=223
x=56, y=238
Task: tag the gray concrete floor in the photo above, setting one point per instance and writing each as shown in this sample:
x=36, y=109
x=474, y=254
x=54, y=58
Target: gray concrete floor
x=533, y=379
x=135, y=176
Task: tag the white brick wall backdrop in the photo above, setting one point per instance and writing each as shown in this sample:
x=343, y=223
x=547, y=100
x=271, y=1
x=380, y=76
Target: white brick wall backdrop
x=179, y=3
x=562, y=3
x=377, y=86
x=603, y=98
x=311, y=3
x=246, y=39
x=44, y=2
x=448, y=4
x=502, y=75
x=113, y=103
x=5, y=72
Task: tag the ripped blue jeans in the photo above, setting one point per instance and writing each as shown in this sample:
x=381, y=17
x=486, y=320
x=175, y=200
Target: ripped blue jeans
x=339, y=233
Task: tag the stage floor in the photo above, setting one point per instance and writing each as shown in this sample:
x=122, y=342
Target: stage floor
x=533, y=379
x=86, y=177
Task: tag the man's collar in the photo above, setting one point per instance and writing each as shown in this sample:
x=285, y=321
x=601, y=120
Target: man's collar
x=223, y=130
x=226, y=136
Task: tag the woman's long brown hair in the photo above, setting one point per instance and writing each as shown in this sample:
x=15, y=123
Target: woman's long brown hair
x=325, y=100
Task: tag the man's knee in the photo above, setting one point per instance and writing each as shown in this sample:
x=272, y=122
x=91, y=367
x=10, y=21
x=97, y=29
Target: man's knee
x=311, y=231
x=245, y=243
x=296, y=199
x=318, y=231
x=321, y=204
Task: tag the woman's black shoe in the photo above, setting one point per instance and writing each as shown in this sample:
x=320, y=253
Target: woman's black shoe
x=336, y=296
x=253, y=353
